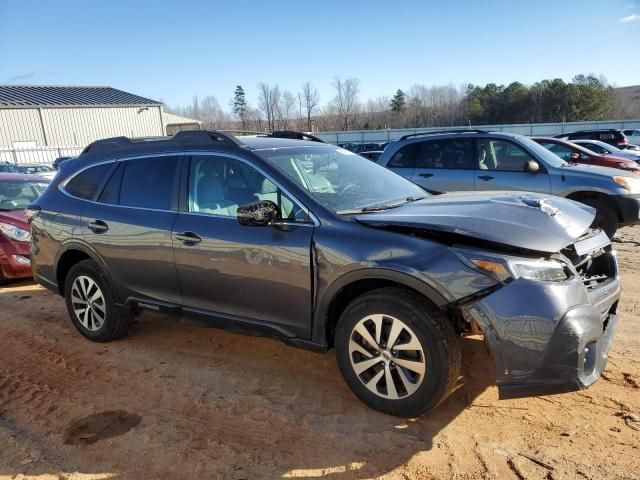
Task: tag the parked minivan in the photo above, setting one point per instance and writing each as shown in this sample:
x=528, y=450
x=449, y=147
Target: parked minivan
x=455, y=160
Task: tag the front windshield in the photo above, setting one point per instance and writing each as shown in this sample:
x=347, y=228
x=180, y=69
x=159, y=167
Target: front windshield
x=341, y=180
x=17, y=195
x=549, y=158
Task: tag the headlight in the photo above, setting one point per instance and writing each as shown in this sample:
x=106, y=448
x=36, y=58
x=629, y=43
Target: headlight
x=15, y=233
x=628, y=166
x=631, y=184
x=505, y=268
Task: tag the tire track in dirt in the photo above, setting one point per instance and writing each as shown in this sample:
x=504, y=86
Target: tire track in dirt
x=43, y=394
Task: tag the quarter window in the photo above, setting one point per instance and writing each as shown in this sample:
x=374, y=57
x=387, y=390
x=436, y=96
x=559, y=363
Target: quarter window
x=501, y=155
x=149, y=183
x=85, y=185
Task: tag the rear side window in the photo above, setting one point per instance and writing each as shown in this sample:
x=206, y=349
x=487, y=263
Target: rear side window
x=446, y=154
x=85, y=185
x=149, y=183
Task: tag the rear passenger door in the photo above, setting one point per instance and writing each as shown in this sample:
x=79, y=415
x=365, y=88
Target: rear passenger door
x=501, y=166
x=128, y=223
x=445, y=165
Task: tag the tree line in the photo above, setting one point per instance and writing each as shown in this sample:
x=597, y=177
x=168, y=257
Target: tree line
x=584, y=98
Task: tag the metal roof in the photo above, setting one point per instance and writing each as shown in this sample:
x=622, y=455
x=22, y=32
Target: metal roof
x=30, y=96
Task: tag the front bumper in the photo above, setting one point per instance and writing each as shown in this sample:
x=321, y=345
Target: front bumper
x=15, y=259
x=629, y=207
x=547, y=338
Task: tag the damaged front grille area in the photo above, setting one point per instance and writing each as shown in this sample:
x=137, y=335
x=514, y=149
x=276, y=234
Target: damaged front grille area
x=593, y=258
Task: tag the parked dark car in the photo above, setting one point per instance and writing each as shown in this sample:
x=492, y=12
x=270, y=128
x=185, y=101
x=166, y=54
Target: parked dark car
x=603, y=148
x=6, y=167
x=324, y=249
x=372, y=155
x=474, y=159
x=571, y=152
x=56, y=163
x=16, y=192
x=611, y=136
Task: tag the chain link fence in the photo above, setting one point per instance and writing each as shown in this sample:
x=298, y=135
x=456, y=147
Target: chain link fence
x=37, y=156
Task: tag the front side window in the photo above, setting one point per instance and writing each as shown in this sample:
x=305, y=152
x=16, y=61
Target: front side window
x=149, y=183
x=219, y=185
x=342, y=181
x=85, y=185
x=501, y=155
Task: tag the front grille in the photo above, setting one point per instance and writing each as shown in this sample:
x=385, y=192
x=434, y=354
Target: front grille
x=593, y=258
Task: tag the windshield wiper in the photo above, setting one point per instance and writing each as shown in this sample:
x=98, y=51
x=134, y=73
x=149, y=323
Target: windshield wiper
x=380, y=207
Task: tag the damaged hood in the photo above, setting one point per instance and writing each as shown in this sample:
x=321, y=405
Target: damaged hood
x=518, y=219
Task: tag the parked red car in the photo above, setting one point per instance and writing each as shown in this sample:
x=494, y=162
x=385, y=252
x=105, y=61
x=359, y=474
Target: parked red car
x=571, y=152
x=16, y=192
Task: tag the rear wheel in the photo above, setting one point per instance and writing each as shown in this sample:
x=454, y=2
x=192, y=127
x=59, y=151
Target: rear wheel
x=606, y=218
x=397, y=352
x=91, y=305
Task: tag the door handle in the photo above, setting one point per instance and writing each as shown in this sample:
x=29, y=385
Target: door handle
x=486, y=178
x=425, y=175
x=188, y=238
x=98, y=226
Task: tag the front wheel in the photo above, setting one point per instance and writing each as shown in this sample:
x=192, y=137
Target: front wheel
x=397, y=352
x=606, y=218
x=91, y=305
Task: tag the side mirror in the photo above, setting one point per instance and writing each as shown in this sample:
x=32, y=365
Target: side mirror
x=257, y=214
x=574, y=156
x=531, y=166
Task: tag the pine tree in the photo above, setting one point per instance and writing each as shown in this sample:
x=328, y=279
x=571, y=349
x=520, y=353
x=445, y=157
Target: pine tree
x=398, y=102
x=240, y=107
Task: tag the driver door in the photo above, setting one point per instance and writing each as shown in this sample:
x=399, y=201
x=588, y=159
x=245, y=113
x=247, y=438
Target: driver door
x=251, y=273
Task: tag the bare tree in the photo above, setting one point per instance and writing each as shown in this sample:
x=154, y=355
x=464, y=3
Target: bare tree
x=286, y=109
x=346, y=99
x=311, y=100
x=268, y=101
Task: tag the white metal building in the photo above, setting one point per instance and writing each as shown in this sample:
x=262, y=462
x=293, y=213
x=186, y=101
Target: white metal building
x=57, y=116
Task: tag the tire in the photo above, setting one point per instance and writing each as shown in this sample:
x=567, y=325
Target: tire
x=105, y=321
x=425, y=336
x=606, y=218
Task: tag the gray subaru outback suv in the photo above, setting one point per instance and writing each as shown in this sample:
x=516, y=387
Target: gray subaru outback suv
x=321, y=248
x=454, y=160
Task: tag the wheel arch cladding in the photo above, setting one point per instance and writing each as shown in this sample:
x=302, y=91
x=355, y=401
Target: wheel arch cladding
x=580, y=196
x=342, y=293
x=66, y=261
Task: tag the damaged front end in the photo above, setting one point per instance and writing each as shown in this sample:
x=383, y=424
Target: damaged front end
x=554, y=335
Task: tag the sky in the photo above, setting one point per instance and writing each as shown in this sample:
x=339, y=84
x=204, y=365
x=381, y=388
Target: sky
x=171, y=51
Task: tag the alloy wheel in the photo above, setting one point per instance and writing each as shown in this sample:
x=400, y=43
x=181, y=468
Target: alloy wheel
x=387, y=356
x=88, y=303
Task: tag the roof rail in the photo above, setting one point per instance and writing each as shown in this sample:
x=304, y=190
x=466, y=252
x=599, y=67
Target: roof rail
x=438, y=132
x=180, y=138
x=295, y=135
x=244, y=132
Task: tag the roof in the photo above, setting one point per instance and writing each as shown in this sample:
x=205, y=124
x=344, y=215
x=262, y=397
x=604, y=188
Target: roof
x=261, y=143
x=20, y=96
